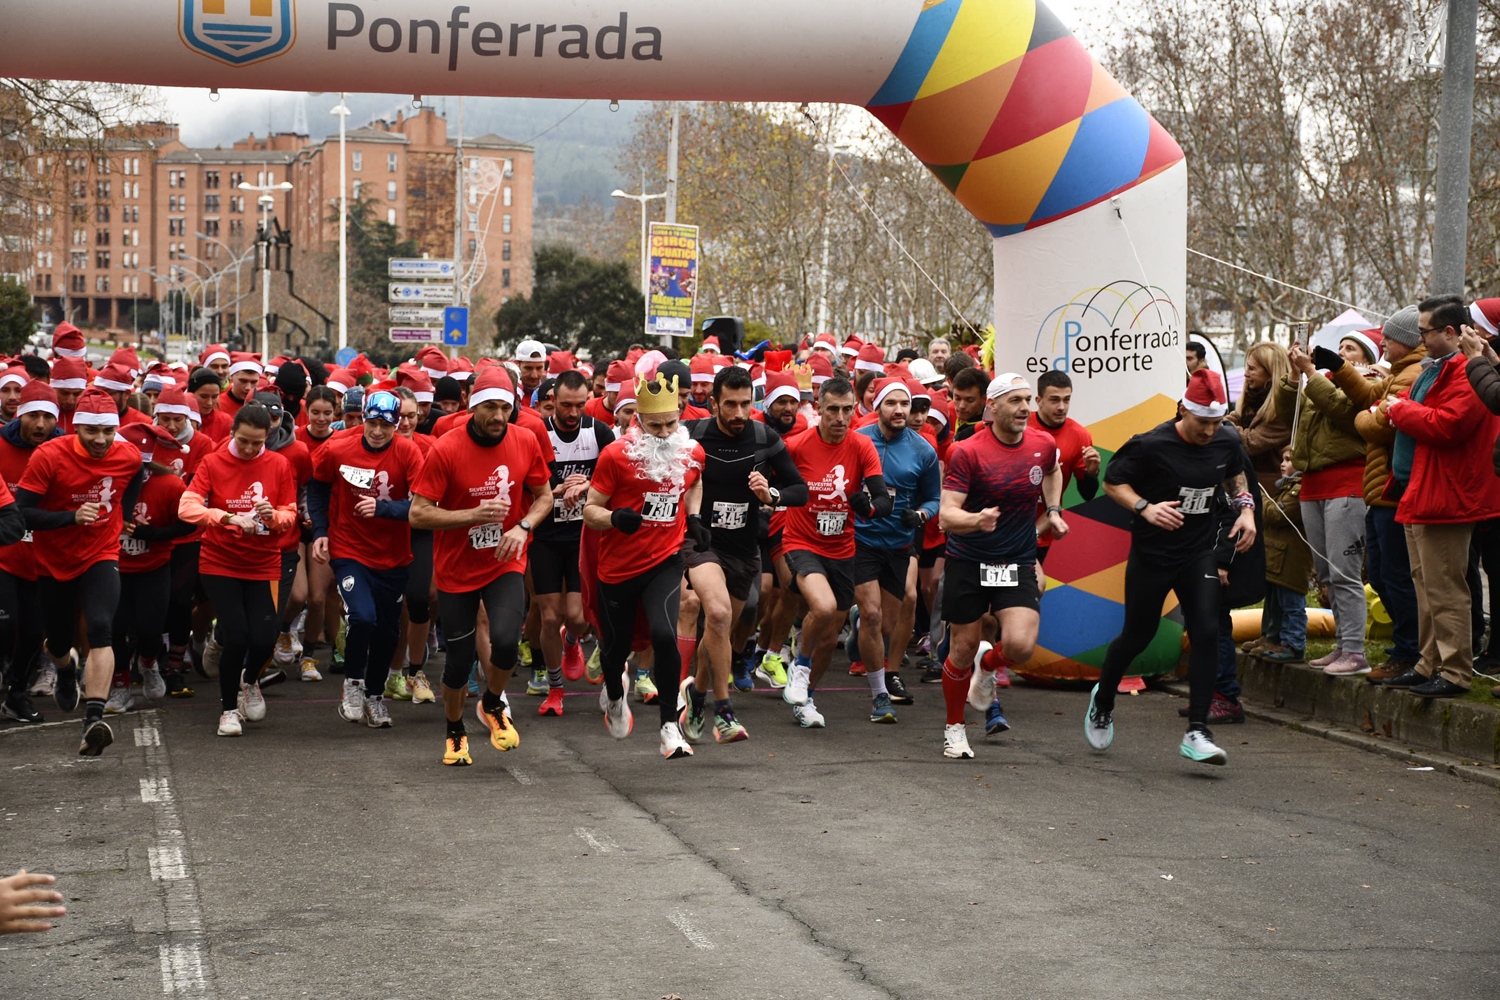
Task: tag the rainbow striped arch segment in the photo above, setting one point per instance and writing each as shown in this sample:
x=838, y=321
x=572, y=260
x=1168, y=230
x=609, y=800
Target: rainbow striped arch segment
x=1014, y=116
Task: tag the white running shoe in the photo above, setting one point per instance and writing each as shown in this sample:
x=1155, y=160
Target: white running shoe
x=229, y=724
x=46, y=680
x=376, y=714
x=982, y=682
x=119, y=701
x=673, y=745
x=618, y=720
x=310, y=669
x=252, y=704
x=285, y=654
x=352, y=707
x=604, y=699
x=956, y=742
x=808, y=716
x=212, y=653
x=1098, y=728
x=797, y=680
x=153, y=686
x=1198, y=745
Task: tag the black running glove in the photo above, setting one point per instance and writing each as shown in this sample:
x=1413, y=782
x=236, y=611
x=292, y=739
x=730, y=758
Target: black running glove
x=911, y=518
x=860, y=503
x=703, y=539
x=625, y=519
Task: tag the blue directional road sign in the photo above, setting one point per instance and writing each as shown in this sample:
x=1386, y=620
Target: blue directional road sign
x=456, y=326
x=344, y=356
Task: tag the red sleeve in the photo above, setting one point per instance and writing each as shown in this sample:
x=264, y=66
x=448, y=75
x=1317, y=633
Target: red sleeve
x=432, y=483
x=605, y=472
x=34, y=480
x=322, y=469
x=287, y=492
x=957, y=478
x=539, y=473
x=6, y=497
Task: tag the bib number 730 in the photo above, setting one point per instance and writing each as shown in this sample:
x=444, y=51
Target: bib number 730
x=659, y=507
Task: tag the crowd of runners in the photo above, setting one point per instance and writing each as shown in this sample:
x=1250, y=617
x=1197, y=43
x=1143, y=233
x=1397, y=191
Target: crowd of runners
x=670, y=530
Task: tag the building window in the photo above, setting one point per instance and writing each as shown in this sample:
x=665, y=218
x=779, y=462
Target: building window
x=176, y=178
x=102, y=163
x=505, y=223
x=359, y=160
x=236, y=178
x=236, y=228
x=210, y=178
x=101, y=237
x=79, y=283
x=510, y=167
x=211, y=227
x=236, y=203
x=101, y=260
x=390, y=216
x=80, y=189
x=358, y=187
x=101, y=213
x=101, y=283
x=44, y=282
x=505, y=277
x=132, y=214
x=211, y=203
x=390, y=191
x=505, y=250
x=176, y=227
x=390, y=163
x=80, y=237
x=505, y=196
x=473, y=247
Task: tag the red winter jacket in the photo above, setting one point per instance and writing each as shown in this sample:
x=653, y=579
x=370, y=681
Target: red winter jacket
x=1452, y=479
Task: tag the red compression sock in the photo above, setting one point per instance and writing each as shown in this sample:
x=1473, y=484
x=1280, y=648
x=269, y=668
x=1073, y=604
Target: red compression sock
x=685, y=649
x=955, y=691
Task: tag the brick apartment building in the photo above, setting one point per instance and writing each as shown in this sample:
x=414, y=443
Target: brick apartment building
x=140, y=208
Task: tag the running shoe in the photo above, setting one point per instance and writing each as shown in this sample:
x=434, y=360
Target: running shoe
x=377, y=716
x=795, y=692
x=1198, y=745
x=857, y=669
x=618, y=718
x=572, y=664
x=272, y=677
x=553, y=705
x=924, y=645
x=897, y=689
x=808, y=716
x=212, y=653
x=593, y=670
x=252, y=704
x=1348, y=665
x=728, y=729
x=956, y=742
x=96, y=736
x=740, y=671
x=503, y=735
x=523, y=655
x=65, y=693
x=474, y=680
x=152, y=684
x=397, y=687
x=229, y=723
x=421, y=689
x=1223, y=710
x=981, y=682
x=1280, y=653
x=690, y=721
x=178, y=686
x=1326, y=658
x=882, y=710
x=197, y=653
x=604, y=699
x=284, y=653
x=18, y=706
x=1098, y=727
x=772, y=671
x=120, y=700
x=310, y=669
x=352, y=705
x=995, y=722
x=46, y=681
x=673, y=745
x=931, y=674
x=336, y=662
x=538, y=686
x=456, y=751
x=1002, y=677
x=645, y=689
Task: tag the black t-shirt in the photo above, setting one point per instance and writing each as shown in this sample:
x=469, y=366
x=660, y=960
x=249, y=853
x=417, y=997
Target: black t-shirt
x=729, y=508
x=1161, y=466
x=574, y=453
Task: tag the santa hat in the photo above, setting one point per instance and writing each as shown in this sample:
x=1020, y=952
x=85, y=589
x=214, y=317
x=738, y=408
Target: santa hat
x=776, y=361
x=870, y=358
x=70, y=373
x=626, y=393
x=560, y=361
x=96, y=408
x=67, y=341
x=617, y=375
x=1486, y=313
x=175, y=400
x=433, y=361
x=757, y=375
x=648, y=362
x=822, y=368
x=37, y=397
x=213, y=352
x=419, y=384
x=460, y=369
x=1008, y=382
x=241, y=361
x=361, y=366
x=703, y=369
x=1205, y=396
x=339, y=380
x=825, y=342
x=939, y=411
x=781, y=385
x=586, y=370
x=710, y=345
x=115, y=378
x=493, y=383
x=149, y=438
x=884, y=387
x=274, y=365
x=851, y=346
x=126, y=358
x=1370, y=340
x=15, y=374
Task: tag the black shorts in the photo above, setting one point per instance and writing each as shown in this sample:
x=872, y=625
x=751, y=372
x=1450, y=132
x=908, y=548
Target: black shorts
x=965, y=600
x=554, y=566
x=888, y=566
x=839, y=573
x=741, y=573
x=930, y=555
x=769, y=544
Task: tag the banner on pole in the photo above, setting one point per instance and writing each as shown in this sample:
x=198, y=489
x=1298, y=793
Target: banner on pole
x=674, y=279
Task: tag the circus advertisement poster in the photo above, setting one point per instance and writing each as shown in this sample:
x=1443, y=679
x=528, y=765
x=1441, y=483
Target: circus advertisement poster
x=674, y=279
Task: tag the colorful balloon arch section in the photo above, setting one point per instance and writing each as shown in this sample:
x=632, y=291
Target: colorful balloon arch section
x=1083, y=192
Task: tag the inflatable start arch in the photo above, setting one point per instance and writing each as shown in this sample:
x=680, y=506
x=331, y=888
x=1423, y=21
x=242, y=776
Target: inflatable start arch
x=1084, y=193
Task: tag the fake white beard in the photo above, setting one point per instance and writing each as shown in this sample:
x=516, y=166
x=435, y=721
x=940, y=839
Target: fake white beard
x=661, y=460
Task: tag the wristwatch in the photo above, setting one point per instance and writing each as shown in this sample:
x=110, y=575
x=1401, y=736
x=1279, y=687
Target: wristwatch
x=525, y=525
x=1142, y=504
x=1054, y=507
x=775, y=496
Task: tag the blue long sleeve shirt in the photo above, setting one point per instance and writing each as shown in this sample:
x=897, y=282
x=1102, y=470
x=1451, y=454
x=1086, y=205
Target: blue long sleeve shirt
x=915, y=480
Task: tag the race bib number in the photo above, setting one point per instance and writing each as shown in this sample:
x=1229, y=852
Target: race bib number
x=132, y=546
x=999, y=574
x=730, y=516
x=659, y=507
x=1195, y=501
x=360, y=479
x=486, y=536
x=831, y=522
x=563, y=511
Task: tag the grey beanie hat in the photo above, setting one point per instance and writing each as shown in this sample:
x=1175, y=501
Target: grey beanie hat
x=1404, y=327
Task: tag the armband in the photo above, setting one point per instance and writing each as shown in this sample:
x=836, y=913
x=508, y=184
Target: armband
x=1243, y=501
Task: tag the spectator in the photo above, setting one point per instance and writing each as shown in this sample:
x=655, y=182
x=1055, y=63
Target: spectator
x=1386, y=561
x=1263, y=431
x=1289, y=568
x=939, y=351
x=1445, y=482
x=1330, y=454
x=1242, y=582
x=1197, y=356
x=20, y=912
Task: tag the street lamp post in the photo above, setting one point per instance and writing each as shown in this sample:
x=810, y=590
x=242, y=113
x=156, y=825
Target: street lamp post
x=343, y=113
x=266, y=203
x=642, y=198
x=238, y=260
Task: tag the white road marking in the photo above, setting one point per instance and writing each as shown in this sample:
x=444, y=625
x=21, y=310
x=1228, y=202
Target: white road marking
x=695, y=937
x=167, y=862
x=155, y=790
x=182, y=970
x=147, y=737
x=522, y=777
x=598, y=842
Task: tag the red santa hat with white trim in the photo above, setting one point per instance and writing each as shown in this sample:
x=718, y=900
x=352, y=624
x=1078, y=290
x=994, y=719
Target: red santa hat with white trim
x=871, y=358
x=822, y=368
x=70, y=373
x=852, y=346
x=703, y=368
x=148, y=439
x=96, y=408
x=67, y=341
x=213, y=352
x=14, y=374
x=126, y=358
x=1205, y=396
x=419, y=383
x=493, y=383
x=884, y=387
x=241, y=361
x=37, y=397
x=825, y=342
x=1486, y=313
x=116, y=378
x=179, y=401
x=433, y=361
x=710, y=345
x=617, y=374
x=781, y=384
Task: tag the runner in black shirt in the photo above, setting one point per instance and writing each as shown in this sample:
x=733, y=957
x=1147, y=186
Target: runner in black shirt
x=746, y=465
x=1169, y=477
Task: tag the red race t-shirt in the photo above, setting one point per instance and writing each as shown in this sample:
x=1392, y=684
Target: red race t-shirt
x=62, y=472
x=313, y=443
x=832, y=472
x=520, y=417
x=156, y=506
x=17, y=559
x=355, y=473
x=300, y=458
x=663, y=514
x=184, y=462
x=458, y=475
x=217, y=424
x=229, y=483
x=1071, y=438
x=595, y=408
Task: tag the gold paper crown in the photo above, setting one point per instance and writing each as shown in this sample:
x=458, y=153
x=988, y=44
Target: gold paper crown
x=803, y=373
x=656, y=395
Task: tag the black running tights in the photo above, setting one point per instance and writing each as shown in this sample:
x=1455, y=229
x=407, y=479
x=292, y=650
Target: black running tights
x=655, y=593
x=246, y=629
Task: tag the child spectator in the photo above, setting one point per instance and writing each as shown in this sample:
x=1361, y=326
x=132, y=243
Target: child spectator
x=1289, y=565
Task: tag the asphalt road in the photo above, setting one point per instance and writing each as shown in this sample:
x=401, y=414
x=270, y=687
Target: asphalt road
x=314, y=858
